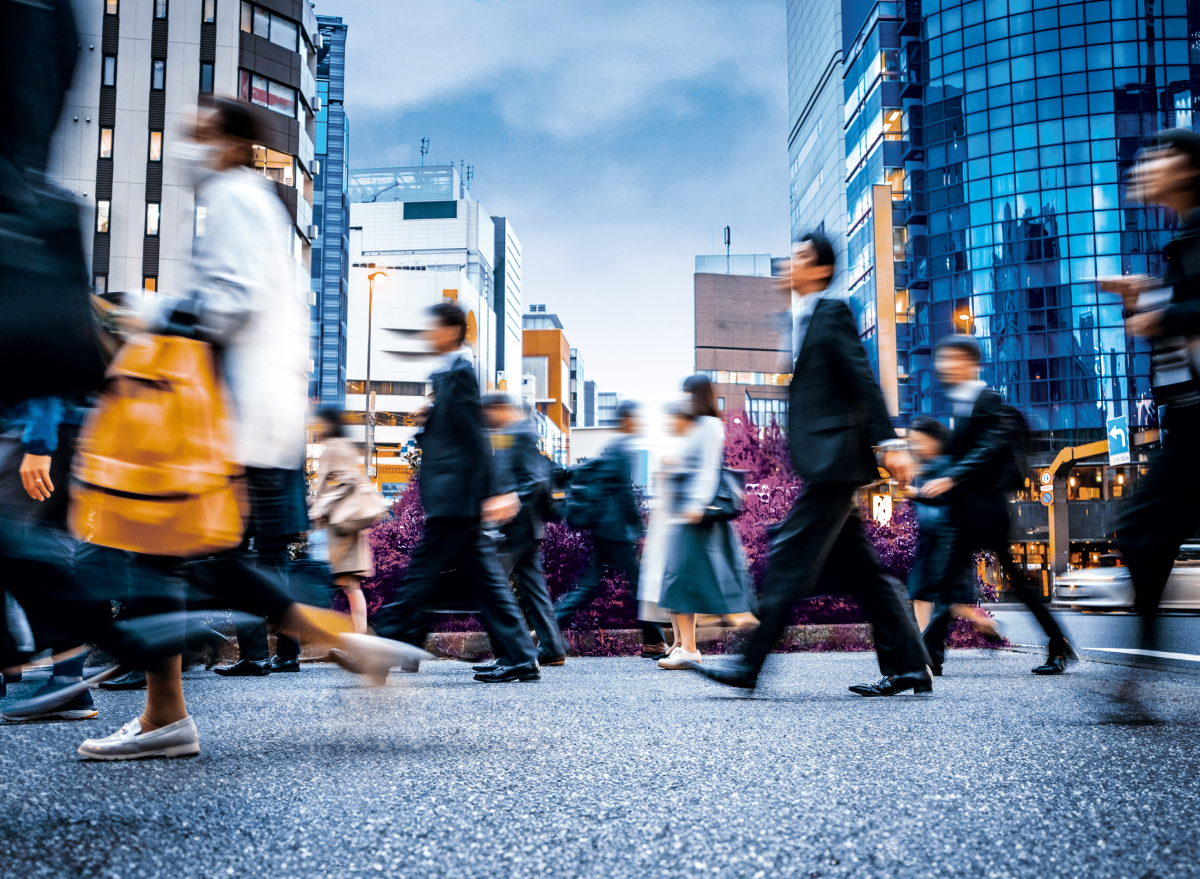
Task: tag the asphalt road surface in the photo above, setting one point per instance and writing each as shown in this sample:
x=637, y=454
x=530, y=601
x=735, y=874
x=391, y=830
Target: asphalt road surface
x=1111, y=637
x=614, y=768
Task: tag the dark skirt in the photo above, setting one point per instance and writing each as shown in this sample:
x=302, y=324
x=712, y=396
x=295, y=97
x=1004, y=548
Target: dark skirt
x=931, y=580
x=706, y=571
x=278, y=502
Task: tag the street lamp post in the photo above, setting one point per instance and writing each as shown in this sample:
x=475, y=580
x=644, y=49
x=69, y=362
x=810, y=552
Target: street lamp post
x=369, y=405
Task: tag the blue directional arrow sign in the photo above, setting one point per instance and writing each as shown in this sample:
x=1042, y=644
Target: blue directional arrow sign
x=1118, y=440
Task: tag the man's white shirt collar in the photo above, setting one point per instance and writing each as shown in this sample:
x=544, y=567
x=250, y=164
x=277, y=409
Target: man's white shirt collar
x=966, y=392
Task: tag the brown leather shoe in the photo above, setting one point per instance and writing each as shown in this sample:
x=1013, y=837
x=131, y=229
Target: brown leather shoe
x=655, y=651
x=552, y=660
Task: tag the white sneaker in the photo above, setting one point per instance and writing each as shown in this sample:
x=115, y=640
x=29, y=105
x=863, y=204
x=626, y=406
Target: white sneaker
x=179, y=739
x=678, y=657
x=372, y=656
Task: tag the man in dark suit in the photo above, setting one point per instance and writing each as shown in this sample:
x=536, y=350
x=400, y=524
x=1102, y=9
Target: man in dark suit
x=980, y=449
x=616, y=533
x=522, y=468
x=836, y=419
x=458, y=493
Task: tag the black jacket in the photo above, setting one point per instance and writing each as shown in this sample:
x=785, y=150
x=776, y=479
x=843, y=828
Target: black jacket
x=456, y=458
x=836, y=412
x=979, y=449
x=1182, y=253
x=619, y=518
x=521, y=467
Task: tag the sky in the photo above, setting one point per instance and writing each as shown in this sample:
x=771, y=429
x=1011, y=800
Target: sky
x=618, y=138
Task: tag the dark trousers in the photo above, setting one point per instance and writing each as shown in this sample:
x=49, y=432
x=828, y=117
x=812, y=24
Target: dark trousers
x=614, y=555
x=445, y=544
x=1160, y=516
x=523, y=564
x=824, y=535
x=964, y=543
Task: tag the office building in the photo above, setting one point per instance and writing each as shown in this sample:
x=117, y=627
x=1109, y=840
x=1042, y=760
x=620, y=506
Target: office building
x=145, y=66
x=606, y=409
x=741, y=340
x=583, y=394
x=507, y=304
x=331, y=215
x=546, y=367
x=816, y=137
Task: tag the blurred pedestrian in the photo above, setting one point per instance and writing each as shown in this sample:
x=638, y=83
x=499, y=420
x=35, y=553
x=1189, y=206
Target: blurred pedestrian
x=616, y=532
x=836, y=417
x=338, y=473
x=706, y=567
x=981, y=450
x=1162, y=513
x=460, y=498
x=521, y=467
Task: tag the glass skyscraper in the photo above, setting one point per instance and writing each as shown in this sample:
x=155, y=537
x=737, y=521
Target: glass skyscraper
x=1000, y=132
x=331, y=214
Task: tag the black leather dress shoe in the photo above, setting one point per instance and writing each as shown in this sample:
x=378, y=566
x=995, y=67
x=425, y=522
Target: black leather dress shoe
x=735, y=673
x=936, y=671
x=279, y=666
x=134, y=680
x=543, y=660
x=486, y=666
x=1055, y=665
x=918, y=681
x=504, y=674
x=245, y=668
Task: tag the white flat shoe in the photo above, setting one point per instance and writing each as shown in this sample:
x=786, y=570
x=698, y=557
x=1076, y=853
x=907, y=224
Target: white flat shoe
x=179, y=739
x=373, y=656
x=678, y=659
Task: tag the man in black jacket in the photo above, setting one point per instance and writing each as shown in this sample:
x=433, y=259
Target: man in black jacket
x=980, y=448
x=522, y=468
x=616, y=533
x=836, y=418
x=458, y=493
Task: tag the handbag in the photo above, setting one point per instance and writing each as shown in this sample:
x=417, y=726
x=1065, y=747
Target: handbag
x=357, y=509
x=155, y=470
x=730, y=499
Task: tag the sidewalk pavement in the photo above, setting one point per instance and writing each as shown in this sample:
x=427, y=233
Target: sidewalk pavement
x=614, y=768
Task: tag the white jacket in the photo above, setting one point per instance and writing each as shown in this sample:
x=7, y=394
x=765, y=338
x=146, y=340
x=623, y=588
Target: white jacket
x=253, y=304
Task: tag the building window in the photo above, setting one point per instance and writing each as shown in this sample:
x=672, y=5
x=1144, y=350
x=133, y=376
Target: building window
x=102, y=210
x=160, y=8
x=206, y=78
x=106, y=143
x=110, y=71
x=210, y=10
x=274, y=165
x=201, y=215
x=267, y=93
x=158, y=73
x=763, y=411
x=100, y=284
x=153, y=212
x=150, y=285
x=156, y=146
x=265, y=24
x=110, y=7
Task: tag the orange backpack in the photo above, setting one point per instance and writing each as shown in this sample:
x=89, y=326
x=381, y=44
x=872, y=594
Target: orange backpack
x=154, y=472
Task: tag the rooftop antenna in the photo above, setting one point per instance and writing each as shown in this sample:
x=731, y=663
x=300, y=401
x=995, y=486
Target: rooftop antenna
x=727, y=250
x=424, y=150
x=470, y=175
x=462, y=187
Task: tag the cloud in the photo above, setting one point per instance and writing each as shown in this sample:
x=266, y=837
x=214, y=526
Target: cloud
x=567, y=68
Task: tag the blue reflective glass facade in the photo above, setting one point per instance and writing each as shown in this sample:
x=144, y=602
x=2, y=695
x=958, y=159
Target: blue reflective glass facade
x=331, y=214
x=1006, y=128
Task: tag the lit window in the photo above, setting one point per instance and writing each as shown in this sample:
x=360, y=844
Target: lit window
x=210, y=10
x=110, y=70
x=156, y=146
x=247, y=17
x=110, y=7
x=153, y=212
x=206, y=78
x=160, y=8
x=158, y=74
x=150, y=285
x=100, y=284
x=106, y=143
x=102, y=211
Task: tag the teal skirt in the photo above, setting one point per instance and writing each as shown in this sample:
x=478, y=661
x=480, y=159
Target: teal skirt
x=706, y=571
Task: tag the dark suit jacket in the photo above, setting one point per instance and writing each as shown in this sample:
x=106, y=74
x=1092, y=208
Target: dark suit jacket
x=619, y=517
x=456, y=458
x=521, y=467
x=836, y=412
x=979, y=448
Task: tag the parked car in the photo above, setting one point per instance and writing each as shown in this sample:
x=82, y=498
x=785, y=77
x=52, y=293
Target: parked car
x=1109, y=587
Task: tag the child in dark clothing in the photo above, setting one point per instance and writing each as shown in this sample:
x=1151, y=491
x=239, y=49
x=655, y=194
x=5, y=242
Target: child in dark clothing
x=929, y=582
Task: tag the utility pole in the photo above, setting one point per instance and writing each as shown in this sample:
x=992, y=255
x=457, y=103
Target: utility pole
x=424, y=150
x=727, y=250
x=369, y=413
